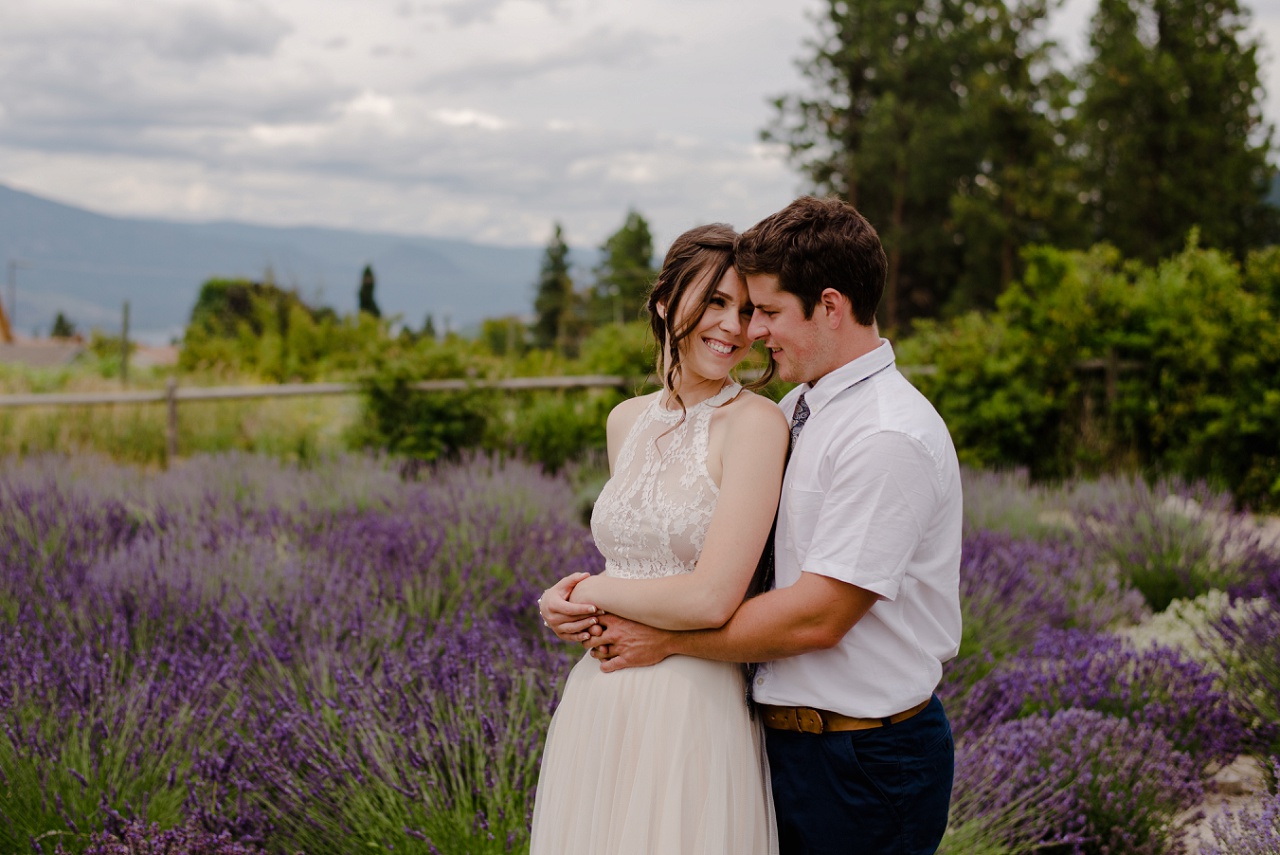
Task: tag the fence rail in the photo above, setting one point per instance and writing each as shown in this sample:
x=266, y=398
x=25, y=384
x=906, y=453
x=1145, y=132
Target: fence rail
x=173, y=394
x=293, y=390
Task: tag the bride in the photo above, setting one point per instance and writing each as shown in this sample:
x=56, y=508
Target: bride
x=667, y=759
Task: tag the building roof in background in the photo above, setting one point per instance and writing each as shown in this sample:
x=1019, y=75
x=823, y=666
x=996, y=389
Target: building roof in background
x=41, y=352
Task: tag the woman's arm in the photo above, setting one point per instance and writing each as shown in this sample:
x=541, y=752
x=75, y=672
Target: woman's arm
x=568, y=620
x=752, y=459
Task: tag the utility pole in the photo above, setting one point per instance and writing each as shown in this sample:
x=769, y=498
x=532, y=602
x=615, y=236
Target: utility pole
x=14, y=264
x=124, y=347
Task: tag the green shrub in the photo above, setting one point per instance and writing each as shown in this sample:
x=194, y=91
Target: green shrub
x=624, y=350
x=423, y=425
x=260, y=329
x=1092, y=364
x=553, y=429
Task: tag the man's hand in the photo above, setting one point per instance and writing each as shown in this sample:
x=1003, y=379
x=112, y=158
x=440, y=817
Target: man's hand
x=569, y=621
x=627, y=644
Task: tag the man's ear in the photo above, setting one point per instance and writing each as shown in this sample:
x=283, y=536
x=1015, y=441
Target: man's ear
x=835, y=305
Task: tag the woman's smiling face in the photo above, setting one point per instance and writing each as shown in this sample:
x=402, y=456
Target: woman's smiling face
x=719, y=340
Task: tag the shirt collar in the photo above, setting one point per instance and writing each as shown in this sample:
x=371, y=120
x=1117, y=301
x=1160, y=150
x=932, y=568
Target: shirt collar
x=849, y=374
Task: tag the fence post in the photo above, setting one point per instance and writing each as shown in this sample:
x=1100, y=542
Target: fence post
x=171, y=431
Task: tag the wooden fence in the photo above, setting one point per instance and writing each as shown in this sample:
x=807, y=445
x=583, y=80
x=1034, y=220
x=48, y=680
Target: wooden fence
x=1109, y=368
x=172, y=394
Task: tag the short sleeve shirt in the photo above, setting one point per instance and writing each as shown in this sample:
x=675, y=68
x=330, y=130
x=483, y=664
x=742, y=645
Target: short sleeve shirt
x=871, y=497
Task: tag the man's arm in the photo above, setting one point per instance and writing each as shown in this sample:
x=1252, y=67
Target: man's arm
x=813, y=614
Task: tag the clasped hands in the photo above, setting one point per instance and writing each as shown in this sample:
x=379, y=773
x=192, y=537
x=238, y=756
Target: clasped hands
x=617, y=642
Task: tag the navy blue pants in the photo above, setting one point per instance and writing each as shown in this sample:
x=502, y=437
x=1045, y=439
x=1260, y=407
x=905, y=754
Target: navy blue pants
x=864, y=792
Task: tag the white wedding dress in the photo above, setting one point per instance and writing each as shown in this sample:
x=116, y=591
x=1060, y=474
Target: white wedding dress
x=662, y=760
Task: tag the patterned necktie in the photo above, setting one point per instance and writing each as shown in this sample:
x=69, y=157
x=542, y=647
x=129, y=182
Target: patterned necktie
x=763, y=580
x=800, y=416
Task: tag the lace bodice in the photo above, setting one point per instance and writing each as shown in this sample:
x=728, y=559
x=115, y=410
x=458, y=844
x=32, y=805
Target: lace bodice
x=652, y=516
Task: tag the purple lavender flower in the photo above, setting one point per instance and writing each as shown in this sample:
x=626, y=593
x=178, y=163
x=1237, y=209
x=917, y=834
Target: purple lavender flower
x=1076, y=781
x=1249, y=654
x=138, y=838
x=1159, y=688
x=1176, y=540
x=325, y=659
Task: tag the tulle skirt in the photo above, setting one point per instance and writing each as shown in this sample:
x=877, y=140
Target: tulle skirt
x=654, y=761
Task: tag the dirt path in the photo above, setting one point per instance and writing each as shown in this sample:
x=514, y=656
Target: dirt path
x=1240, y=785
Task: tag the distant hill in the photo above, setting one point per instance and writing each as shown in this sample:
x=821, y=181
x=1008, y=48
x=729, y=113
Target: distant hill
x=86, y=265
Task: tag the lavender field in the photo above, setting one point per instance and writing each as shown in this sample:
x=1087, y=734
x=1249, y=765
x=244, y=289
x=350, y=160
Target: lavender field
x=238, y=656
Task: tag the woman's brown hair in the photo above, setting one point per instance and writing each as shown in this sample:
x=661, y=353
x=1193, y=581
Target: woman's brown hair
x=701, y=251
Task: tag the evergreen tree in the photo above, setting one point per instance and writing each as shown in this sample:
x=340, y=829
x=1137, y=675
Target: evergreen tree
x=625, y=273
x=897, y=121
x=429, y=328
x=553, y=304
x=367, y=303
x=1023, y=186
x=1172, y=122
x=62, y=328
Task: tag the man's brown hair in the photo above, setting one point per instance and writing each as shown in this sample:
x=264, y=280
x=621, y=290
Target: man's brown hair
x=815, y=244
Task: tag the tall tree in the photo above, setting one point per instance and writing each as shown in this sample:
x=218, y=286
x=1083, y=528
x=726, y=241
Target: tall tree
x=1023, y=186
x=890, y=124
x=1172, y=121
x=625, y=272
x=367, y=303
x=62, y=328
x=554, y=301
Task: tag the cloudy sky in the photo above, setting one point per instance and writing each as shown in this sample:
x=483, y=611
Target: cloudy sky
x=478, y=119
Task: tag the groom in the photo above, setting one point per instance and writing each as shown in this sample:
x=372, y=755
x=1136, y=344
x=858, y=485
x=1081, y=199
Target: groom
x=865, y=607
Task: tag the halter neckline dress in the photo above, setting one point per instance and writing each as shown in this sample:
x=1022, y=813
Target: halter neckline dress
x=664, y=759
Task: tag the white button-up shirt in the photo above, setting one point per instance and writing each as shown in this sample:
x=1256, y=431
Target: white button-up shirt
x=871, y=497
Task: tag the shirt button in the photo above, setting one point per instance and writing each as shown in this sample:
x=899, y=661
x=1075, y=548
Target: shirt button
x=759, y=681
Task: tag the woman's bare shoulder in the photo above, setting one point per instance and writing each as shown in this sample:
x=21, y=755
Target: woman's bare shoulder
x=755, y=412
x=629, y=410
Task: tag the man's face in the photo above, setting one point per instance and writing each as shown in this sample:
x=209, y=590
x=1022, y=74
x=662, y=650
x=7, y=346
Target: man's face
x=796, y=343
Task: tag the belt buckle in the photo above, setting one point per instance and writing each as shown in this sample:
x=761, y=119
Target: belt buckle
x=809, y=720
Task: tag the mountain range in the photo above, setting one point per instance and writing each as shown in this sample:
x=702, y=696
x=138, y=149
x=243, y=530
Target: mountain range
x=86, y=265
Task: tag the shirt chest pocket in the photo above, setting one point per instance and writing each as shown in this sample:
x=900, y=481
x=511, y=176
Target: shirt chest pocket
x=801, y=509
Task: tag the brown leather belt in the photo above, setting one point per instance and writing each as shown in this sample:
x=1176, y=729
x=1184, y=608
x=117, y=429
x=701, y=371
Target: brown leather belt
x=810, y=720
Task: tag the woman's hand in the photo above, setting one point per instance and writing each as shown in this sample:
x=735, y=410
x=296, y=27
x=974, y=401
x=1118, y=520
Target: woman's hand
x=568, y=620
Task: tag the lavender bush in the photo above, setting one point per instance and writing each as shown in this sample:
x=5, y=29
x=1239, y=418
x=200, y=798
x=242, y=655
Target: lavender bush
x=138, y=838
x=1012, y=588
x=1158, y=688
x=1006, y=501
x=1263, y=577
x=1076, y=781
x=1248, y=645
x=1174, y=540
x=322, y=659
x=240, y=654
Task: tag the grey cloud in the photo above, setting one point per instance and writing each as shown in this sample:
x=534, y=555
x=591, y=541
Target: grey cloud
x=292, y=138
x=191, y=33
x=602, y=47
x=89, y=113
x=99, y=85
x=200, y=33
x=462, y=13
